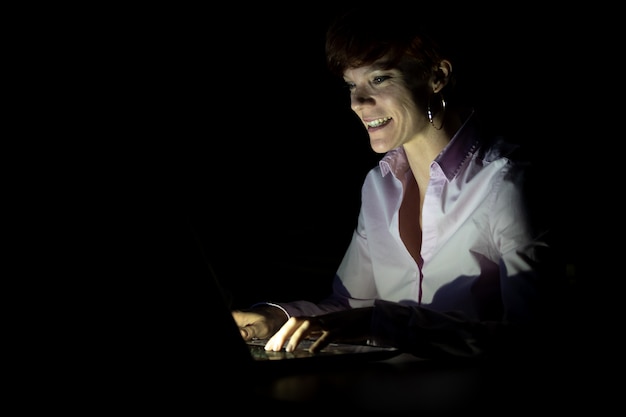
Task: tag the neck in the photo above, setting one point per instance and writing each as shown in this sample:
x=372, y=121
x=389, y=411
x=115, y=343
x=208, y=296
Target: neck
x=421, y=153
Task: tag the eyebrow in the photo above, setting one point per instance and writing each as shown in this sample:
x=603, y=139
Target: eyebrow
x=381, y=66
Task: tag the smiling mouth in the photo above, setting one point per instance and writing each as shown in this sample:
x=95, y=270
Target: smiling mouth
x=378, y=122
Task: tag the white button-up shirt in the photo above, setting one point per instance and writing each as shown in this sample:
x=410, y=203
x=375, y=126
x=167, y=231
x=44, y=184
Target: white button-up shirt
x=478, y=251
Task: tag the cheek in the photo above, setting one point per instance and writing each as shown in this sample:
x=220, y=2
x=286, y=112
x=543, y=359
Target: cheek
x=419, y=101
x=411, y=100
x=409, y=108
x=413, y=118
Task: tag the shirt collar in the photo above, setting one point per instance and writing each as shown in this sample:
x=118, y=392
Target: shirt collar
x=462, y=145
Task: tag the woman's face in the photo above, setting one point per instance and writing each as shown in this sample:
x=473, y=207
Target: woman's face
x=386, y=106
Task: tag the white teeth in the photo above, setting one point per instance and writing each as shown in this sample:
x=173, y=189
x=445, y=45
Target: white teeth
x=378, y=122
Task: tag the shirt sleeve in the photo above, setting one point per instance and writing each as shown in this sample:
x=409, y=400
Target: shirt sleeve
x=353, y=285
x=431, y=334
x=528, y=263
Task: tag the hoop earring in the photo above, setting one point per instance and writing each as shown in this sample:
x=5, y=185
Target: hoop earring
x=430, y=113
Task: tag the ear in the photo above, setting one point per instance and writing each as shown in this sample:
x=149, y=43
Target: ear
x=441, y=76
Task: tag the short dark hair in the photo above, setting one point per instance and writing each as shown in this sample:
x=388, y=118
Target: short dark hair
x=357, y=37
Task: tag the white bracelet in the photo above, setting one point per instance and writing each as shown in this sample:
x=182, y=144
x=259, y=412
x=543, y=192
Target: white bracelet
x=273, y=305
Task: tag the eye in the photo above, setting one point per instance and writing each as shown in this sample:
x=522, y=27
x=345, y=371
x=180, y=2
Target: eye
x=380, y=79
x=349, y=86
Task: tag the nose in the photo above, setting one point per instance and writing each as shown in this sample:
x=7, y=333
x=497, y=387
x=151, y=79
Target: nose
x=359, y=97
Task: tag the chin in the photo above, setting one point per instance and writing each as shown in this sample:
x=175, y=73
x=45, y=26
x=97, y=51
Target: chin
x=379, y=146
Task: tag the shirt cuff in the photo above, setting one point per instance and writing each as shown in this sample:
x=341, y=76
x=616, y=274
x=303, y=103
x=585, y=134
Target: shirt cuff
x=273, y=305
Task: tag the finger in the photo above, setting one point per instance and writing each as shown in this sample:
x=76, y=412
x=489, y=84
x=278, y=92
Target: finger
x=247, y=328
x=324, y=340
x=299, y=334
x=277, y=341
x=245, y=333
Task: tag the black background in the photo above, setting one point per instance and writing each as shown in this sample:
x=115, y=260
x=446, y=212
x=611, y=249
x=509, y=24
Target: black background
x=227, y=118
x=230, y=119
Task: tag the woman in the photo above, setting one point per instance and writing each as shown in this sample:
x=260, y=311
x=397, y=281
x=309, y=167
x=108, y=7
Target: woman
x=446, y=258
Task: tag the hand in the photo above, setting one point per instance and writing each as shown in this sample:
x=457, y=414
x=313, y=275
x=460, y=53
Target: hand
x=351, y=325
x=260, y=322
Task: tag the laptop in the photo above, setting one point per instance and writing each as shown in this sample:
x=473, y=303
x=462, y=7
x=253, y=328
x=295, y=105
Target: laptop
x=251, y=356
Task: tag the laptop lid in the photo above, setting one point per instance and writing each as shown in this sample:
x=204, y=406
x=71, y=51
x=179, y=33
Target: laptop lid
x=251, y=355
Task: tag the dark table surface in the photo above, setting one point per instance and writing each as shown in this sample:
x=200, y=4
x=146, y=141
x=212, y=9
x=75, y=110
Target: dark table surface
x=406, y=385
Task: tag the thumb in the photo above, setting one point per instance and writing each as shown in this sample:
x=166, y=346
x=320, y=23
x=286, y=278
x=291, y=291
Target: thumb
x=247, y=332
